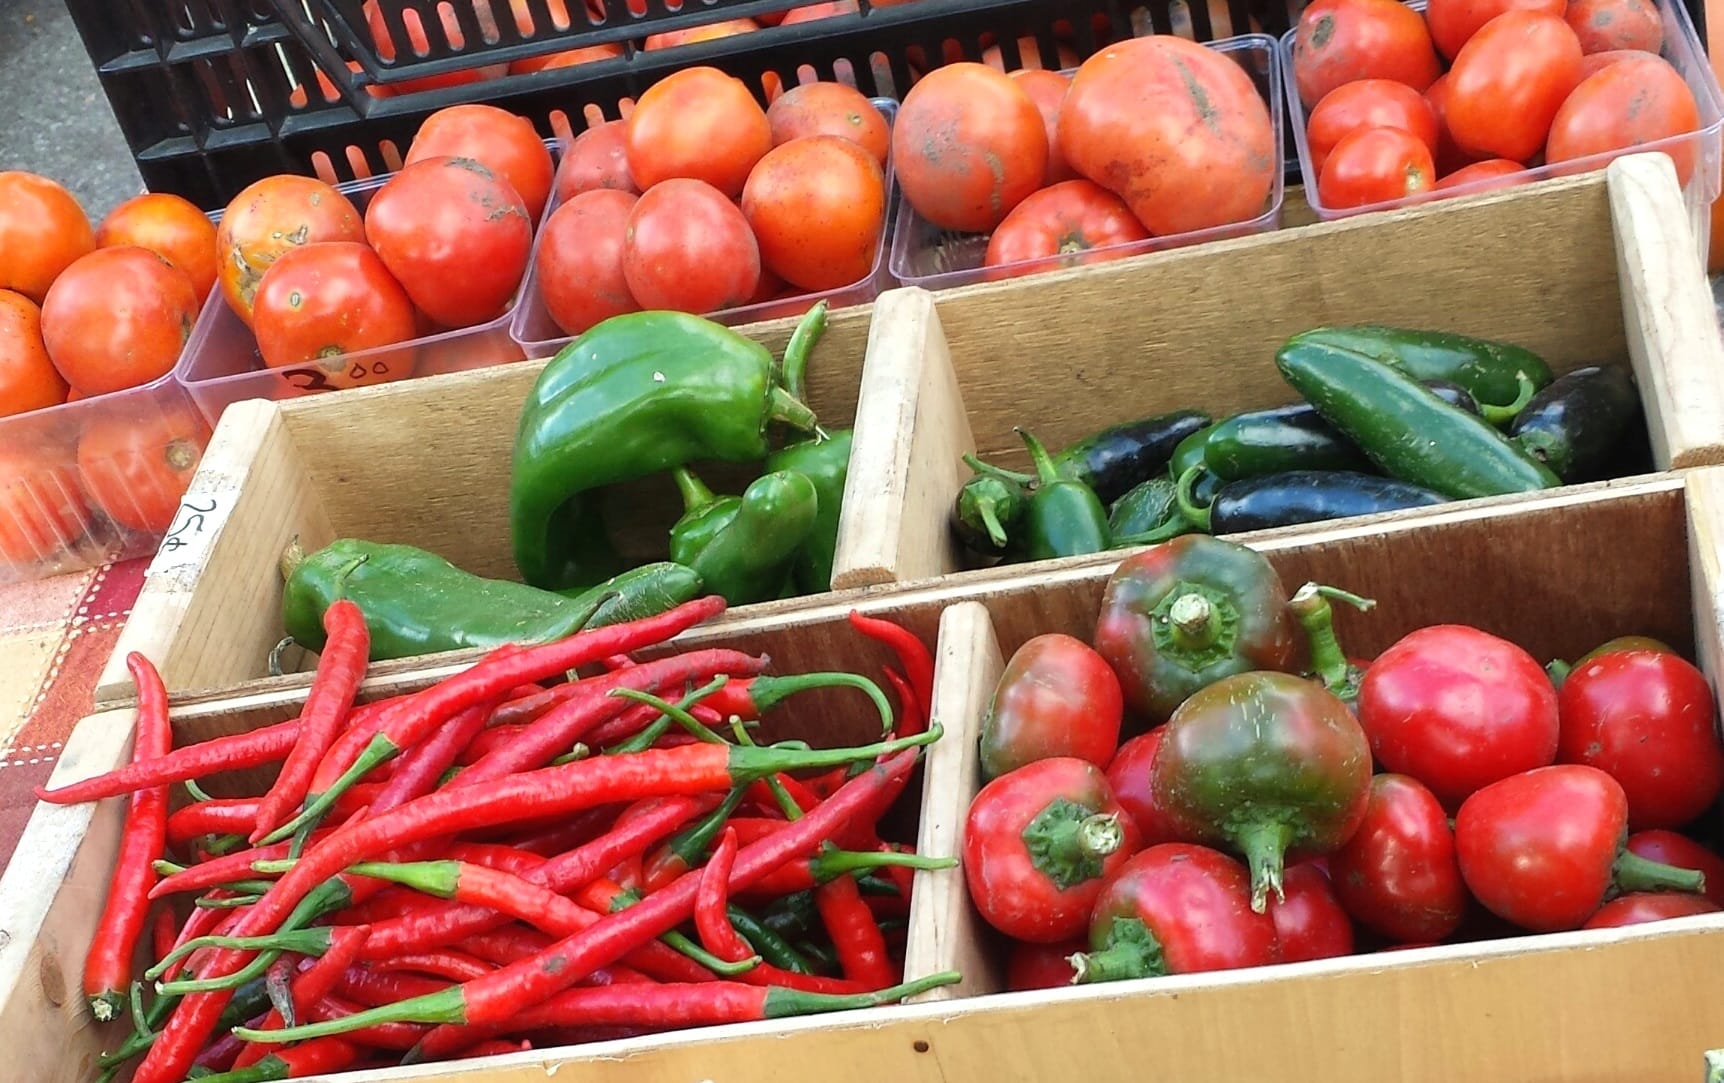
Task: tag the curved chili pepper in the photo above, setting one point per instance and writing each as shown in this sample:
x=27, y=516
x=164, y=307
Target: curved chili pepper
x=163, y=933
x=519, y=712
x=340, y=668
x=308, y=987
x=685, y=849
x=310, y=1058
x=374, y=988
x=421, y=766
x=221, y=870
x=752, y=698
x=506, y=945
x=251, y=749
x=394, y=1037
x=200, y=922
x=832, y=863
x=108, y=967
x=443, y=963
x=489, y=740
x=711, y=900
x=913, y=655
x=853, y=931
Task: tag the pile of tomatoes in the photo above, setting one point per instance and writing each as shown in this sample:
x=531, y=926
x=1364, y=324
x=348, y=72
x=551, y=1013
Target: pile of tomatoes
x=700, y=200
x=1288, y=803
x=1479, y=90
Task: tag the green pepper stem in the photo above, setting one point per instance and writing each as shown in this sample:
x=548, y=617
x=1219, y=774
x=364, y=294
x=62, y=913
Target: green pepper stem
x=1500, y=416
x=233, y=903
x=1191, y=619
x=1558, y=672
x=784, y=407
x=670, y=710
x=1357, y=601
x=267, y=1070
x=439, y=878
x=694, y=492
x=1131, y=951
x=1631, y=872
x=768, y=691
x=646, y=738
x=1167, y=531
x=748, y=764
x=782, y=1002
x=1328, y=660
x=832, y=864
x=252, y=970
x=298, y=941
x=800, y=347
x=195, y=792
x=1182, y=496
x=692, y=843
x=786, y=803
x=372, y=756
x=444, y=1006
x=223, y=844
x=291, y=558
x=1264, y=845
x=722, y=967
x=989, y=470
x=1044, y=463
x=988, y=509
x=776, y=949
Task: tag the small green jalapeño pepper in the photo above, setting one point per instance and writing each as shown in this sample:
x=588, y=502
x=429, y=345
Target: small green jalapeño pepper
x=988, y=513
x=823, y=460
x=1065, y=518
x=633, y=396
x=744, y=546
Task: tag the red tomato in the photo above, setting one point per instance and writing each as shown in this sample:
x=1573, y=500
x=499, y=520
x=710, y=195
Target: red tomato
x=1373, y=165
x=1048, y=90
x=1368, y=103
x=968, y=146
x=1038, y=845
x=1056, y=697
x=1193, y=903
x=1500, y=170
x=1453, y=22
x=1605, y=25
x=172, y=228
x=136, y=469
x=1543, y=848
x=830, y=109
x=268, y=218
x=1458, y=709
x=1204, y=156
x=1669, y=848
x=1627, y=104
x=726, y=28
x=1593, y=63
x=1338, y=41
x=567, y=59
x=499, y=140
x=580, y=260
x=42, y=510
x=1042, y=966
x=1309, y=922
x=320, y=301
x=454, y=235
x=1508, y=83
x=817, y=207
x=598, y=158
x=1129, y=775
x=42, y=231
x=699, y=124
x=118, y=318
x=1647, y=719
x=1449, y=157
x=1647, y=906
x=689, y=249
x=28, y=379
x=1397, y=875
x=1070, y=217
x=418, y=43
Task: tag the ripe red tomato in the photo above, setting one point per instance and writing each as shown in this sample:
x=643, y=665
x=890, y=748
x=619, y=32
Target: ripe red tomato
x=1338, y=41
x=1645, y=906
x=688, y=248
x=817, y=207
x=1373, y=165
x=1458, y=709
x=172, y=228
x=1048, y=90
x=1397, y=875
x=28, y=379
x=1627, y=104
x=580, y=260
x=1042, y=966
x=598, y=158
x=1670, y=848
x=1039, y=843
x=1593, y=63
x=42, y=511
x=829, y=109
x=268, y=218
x=118, y=318
x=1129, y=775
x=1647, y=719
x=1453, y=22
x=968, y=146
x=1368, y=103
x=1204, y=156
x=1605, y=25
x=1449, y=156
x=1056, y=697
x=1309, y=922
x=1543, y=848
x=1502, y=172
x=699, y=124
x=1071, y=217
x=42, y=231
x=320, y=301
x=499, y=140
x=455, y=236
x=1508, y=82
x=136, y=468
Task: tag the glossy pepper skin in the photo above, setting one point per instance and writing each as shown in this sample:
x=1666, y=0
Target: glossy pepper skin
x=743, y=546
x=1065, y=518
x=633, y=396
x=1189, y=612
x=823, y=459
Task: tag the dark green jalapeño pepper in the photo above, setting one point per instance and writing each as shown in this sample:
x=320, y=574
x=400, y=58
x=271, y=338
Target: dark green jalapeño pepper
x=744, y=546
x=1065, y=518
x=633, y=396
x=823, y=460
x=988, y=512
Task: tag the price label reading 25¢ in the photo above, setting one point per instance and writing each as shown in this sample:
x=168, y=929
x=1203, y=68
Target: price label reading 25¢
x=187, y=542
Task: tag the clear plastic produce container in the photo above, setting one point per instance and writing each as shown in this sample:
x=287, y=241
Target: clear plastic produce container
x=1682, y=48
x=221, y=364
x=925, y=255
x=536, y=334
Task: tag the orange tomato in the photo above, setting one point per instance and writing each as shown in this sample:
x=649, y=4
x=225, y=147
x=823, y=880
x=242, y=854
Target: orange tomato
x=1048, y=90
x=172, y=228
x=499, y=140
x=968, y=146
x=28, y=380
x=1606, y=25
x=566, y=59
x=817, y=207
x=598, y=158
x=42, y=510
x=42, y=231
x=118, y=318
x=1030, y=57
x=418, y=43
x=268, y=218
x=1628, y=104
x=699, y=124
x=1453, y=22
x=136, y=469
x=1338, y=41
x=1508, y=83
x=1715, y=239
x=829, y=109
x=727, y=28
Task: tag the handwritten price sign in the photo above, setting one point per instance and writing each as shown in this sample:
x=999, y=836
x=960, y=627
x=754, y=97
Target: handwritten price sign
x=188, y=539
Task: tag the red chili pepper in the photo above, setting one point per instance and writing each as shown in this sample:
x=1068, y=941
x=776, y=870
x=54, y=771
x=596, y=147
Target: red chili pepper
x=224, y=869
x=684, y=850
x=395, y=1037
x=807, y=873
x=251, y=749
x=496, y=1047
x=108, y=968
x=443, y=963
x=711, y=900
x=489, y=740
x=163, y=933
x=913, y=656
x=496, y=856
x=519, y=712
x=752, y=698
x=761, y=794
x=201, y=922
x=912, y=712
x=311, y=985
x=417, y=771
x=507, y=944
x=854, y=933
x=375, y=987
x=617, y=661
x=340, y=668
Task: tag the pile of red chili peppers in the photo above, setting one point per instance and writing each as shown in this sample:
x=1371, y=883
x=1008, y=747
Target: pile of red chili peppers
x=504, y=861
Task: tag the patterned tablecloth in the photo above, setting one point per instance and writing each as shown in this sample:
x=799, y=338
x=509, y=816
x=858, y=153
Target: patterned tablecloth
x=55, y=637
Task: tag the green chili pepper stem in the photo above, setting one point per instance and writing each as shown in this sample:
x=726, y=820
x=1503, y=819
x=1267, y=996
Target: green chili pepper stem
x=135, y=1001
x=773, y=947
x=1188, y=509
x=1499, y=416
x=692, y=843
x=992, y=471
x=224, y=844
x=989, y=509
x=1557, y=671
x=694, y=492
x=1631, y=872
x=794, y=367
x=372, y=756
x=298, y=941
x=579, y=752
x=670, y=710
x=721, y=967
x=787, y=409
x=1131, y=951
x=266, y=1070
x=1328, y=660
x=439, y=878
x=1191, y=619
x=768, y=691
x=166, y=868
x=1044, y=462
x=786, y=803
x=1357, y=601
x=195, y=791
x=254, y=969
x=645, y=739
x=782, y=1002
x=234, y=903
x=747, y=762
x=832, y=864
x=1167, y=531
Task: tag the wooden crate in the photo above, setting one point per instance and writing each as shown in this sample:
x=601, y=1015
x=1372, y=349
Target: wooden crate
x=1587, y=270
